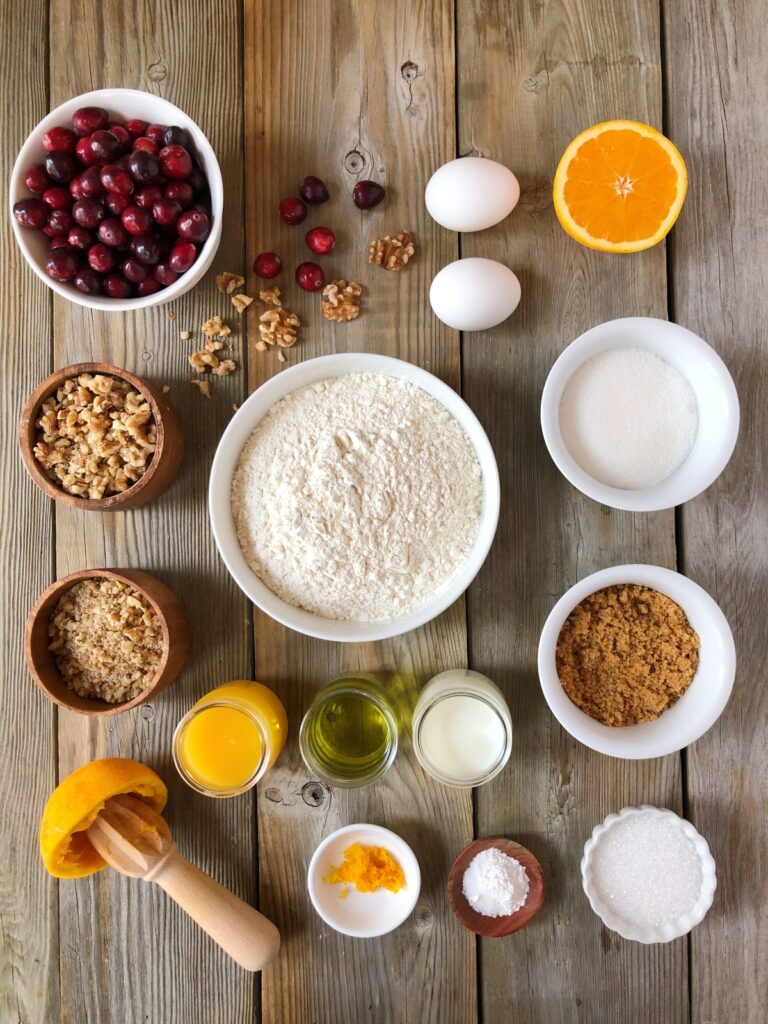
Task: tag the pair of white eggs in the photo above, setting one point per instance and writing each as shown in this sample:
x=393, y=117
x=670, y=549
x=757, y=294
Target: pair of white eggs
x=471, y=194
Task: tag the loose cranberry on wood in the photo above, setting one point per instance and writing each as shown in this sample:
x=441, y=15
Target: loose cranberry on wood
x=293, y=211
x=312, y=190
x=320, y=240
x=310, y=277
x=367, y=194
x=267, y=265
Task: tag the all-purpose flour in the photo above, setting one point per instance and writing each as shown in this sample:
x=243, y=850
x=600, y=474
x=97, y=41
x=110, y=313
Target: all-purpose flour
x=357, y=498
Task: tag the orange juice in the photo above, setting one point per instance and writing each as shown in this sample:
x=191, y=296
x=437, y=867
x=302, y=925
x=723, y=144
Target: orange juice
x=230, y=738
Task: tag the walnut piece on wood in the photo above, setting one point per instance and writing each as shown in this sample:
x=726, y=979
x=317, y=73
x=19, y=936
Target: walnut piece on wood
x=271, y=296
x=227, y=283
x=202, y=386
x=202, y=361
x=278, y=327
x=341, y=301
x=226, y=366
x=241, y=302
x=215, y=327
x=391, y=253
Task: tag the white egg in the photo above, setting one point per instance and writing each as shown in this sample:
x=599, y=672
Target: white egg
x=471, y=193
x=474, y=294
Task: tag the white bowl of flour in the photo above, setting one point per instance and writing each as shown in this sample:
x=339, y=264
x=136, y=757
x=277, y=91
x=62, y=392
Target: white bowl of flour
x=354, y=497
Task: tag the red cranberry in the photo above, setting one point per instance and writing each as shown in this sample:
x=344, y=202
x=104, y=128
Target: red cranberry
x=293, y=211
x=116, y=203
x=60, y=167
x=198, y=181
x=143, y=166
x=88, y=281
x=111, y=232
x=90, y=182
x=135, y=127
x=180, y=192
x=88, y=212
x=87, y=120
x=57, y=198
x=121, y=134
x=146, y=248
x=145, y=145
x=116, y=287
x=134, y=270
x=367, y=194
x=101, y=258
x=313, y=190
x=193, y=226
x=147, y=197
x=164, y=275
x=59, y=222
x=182, y=256
x=321, y=240
x=84, y=152
x=76, y=187
x=135, y=220
x=166, y=212
x=105, y=145
x=30, y=213
x=62, y=264
x=267, y=265
x=175, y=136
x=36, y=179
x=175, y=162
x=155, y=132
x=114, y=179
x=310, y=277
x=148, y=287
x=80, y=238
x=124, y=162
x=59, y=242
x=60, y=140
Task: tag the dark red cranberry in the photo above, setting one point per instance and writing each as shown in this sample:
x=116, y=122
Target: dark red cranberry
x=80, y=238
x=321, y=240
x=293, y=211
x=101, y=258
x=310, y=277
x=134, y=270
x=116, y=203
x=166, y=212
x=88, y=212
x=84, y=152
x=76, y=187
x=198, y=182
x=312, y=190
x=135, y=127
x=59, y=222
x=267, y=265
x=146, y=248
x=175, y=136
x=121, y=134
x=180, y=192
x=124, y=162
x=175, y=162
x=367, y=194
x=193, y=226
x=88, y=281
x=90, y=182
x=62, y=264
x=30, y=213
x=146, y=145
x=164, y=275
x=88, y=120
x=156, y=132
x=111, y=232
x=59, y=242
x=143, y=166
x=135, y=220
x=60, y=140
x=60, y=167
x=105, y=145
x=116, y=287
x=147, y=197
x=115, y=179
x=57, y=198
x=36, y=179
x=182, y=256
x=148, y=287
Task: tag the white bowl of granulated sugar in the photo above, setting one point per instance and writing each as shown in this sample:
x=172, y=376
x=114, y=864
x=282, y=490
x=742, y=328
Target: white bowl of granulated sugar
x=354, y=497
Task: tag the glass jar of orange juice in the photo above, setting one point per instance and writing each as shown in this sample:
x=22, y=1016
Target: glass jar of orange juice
x=230, y=738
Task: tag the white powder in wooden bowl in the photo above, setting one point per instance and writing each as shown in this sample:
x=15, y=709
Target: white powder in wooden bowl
x=357, y=498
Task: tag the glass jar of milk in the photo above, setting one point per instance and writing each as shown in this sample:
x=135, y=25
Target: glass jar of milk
x=462, y=729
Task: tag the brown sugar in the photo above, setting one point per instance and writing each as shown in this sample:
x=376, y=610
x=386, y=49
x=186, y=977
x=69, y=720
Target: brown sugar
x=626, y=654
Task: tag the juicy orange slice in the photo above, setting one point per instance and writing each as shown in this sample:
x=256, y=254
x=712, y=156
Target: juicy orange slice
x=74, y=804
x=619, y=187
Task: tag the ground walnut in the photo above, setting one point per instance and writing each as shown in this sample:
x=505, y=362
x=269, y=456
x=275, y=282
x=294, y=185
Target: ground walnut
x=341, y=301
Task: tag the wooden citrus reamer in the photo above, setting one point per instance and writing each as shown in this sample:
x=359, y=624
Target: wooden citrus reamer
x=136, y=841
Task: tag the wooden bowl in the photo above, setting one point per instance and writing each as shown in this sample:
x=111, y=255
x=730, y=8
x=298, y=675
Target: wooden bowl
x=42, y=663
x=162, y=468
x=496, y=927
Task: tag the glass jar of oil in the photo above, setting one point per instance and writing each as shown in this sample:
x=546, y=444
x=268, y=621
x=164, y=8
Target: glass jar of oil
x=349, y=734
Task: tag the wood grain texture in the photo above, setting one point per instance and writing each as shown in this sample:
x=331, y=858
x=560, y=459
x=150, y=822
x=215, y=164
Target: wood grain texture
x=717, y=95
x=29, y=939
x=531, y=76
x=347, y=91
x=128, y=953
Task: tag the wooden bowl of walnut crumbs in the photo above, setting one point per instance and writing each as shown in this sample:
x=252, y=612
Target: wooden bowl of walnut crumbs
x=96, y=437
x=102, y=641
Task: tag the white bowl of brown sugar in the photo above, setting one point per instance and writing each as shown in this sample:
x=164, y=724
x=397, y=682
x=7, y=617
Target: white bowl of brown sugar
x=636, y=661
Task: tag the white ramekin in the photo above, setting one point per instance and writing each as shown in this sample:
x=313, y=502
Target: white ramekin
x=122, y=104
x=239, y=430
x=649, y=933
x=701, y=704
x=715, y=395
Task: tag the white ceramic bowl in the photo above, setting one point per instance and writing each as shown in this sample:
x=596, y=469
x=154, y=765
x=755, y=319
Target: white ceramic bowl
x=239, y=430
x=701, y=704
x=649, y=933
x=363, y=915
x=711, y=383
x=122, y=104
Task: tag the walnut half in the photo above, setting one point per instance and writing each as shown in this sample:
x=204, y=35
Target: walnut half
x=278, y=327
x=341, y=301
x=391, y=253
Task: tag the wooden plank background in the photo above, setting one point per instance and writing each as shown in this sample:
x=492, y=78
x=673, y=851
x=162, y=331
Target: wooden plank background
x=346, y=90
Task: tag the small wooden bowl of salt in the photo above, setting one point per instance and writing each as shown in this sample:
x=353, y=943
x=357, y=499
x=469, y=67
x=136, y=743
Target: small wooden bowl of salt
x=494, y=883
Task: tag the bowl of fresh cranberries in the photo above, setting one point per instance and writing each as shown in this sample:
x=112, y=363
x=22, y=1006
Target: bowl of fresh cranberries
x=116, y=200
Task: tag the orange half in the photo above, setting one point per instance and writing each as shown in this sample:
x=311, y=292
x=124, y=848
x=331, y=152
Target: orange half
x=619, y=187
